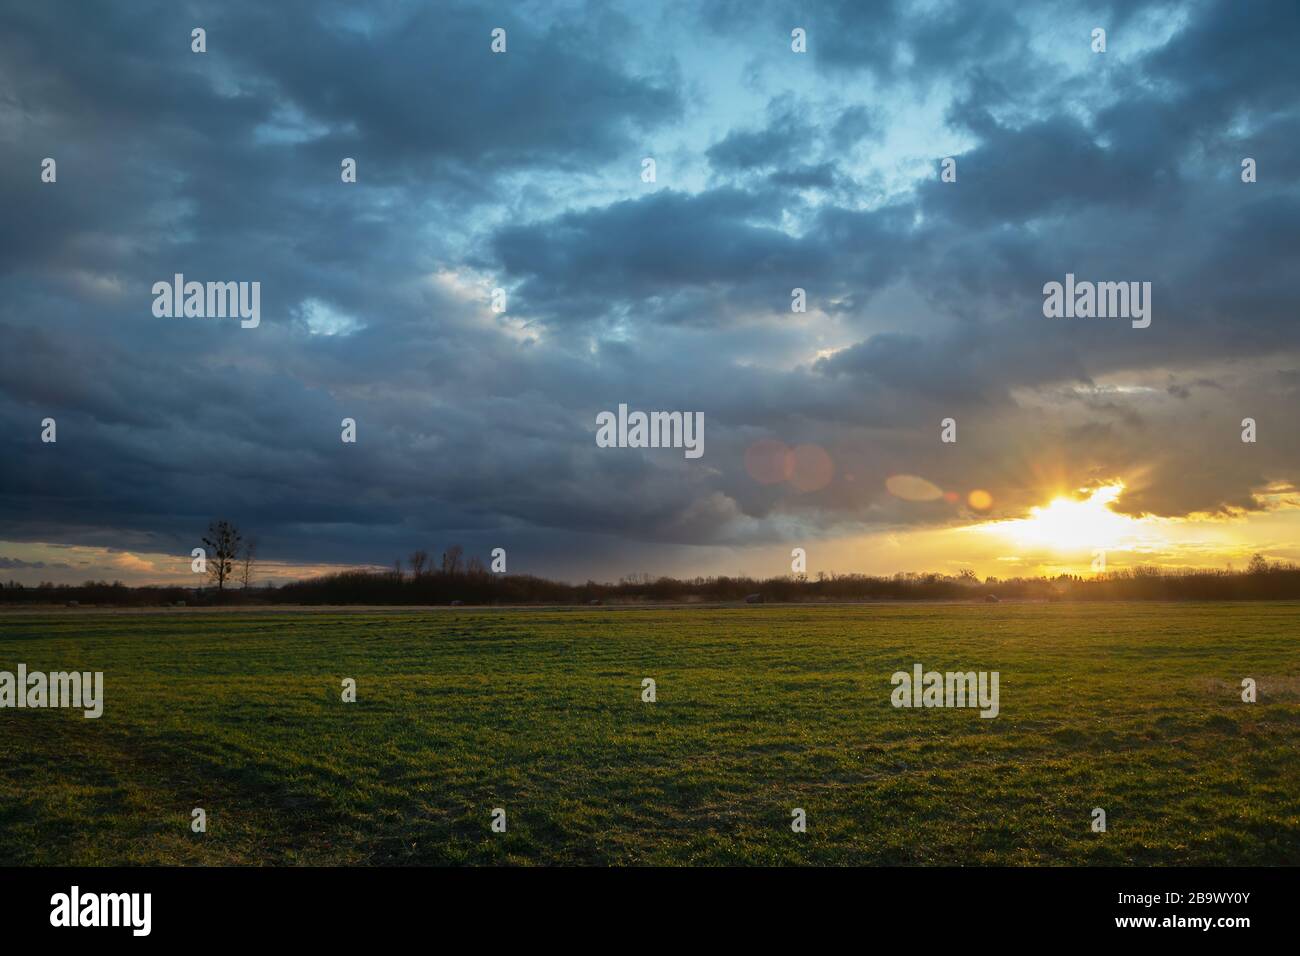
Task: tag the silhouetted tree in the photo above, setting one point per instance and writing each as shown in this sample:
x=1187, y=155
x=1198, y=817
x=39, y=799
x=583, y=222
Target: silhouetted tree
x=451, y=559
x=418, y=560
x=223, y=541
x=246, y=564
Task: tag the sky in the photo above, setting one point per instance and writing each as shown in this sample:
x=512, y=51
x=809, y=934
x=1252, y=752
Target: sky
x=524, y=171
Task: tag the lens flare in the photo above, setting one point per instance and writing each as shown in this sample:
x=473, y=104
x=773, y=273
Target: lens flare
x=813, y=468
x=769, y=461
x=912, y=488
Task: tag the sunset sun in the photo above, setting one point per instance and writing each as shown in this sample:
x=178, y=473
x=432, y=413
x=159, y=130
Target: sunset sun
x=1072, y=524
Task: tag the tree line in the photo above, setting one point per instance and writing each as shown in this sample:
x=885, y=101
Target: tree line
x=456, y=578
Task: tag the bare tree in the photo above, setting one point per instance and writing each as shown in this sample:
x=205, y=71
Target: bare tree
x=246, y=564
x=223, y=541
x=418, y=560
x=451, y=559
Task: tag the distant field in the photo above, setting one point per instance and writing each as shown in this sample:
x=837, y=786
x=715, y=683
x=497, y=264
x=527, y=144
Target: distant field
x=1134, y=708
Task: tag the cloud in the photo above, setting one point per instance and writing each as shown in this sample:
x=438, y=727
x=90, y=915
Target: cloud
x=13, y=564
x=521, y=171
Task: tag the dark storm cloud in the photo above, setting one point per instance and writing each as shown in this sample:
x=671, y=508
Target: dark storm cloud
x=821, y=176
x=163, y=169
x=720, y=249
x=917, y=43
x=782, y=139
x=477, y=171
x=405, y=80
x=1045, y=168
x=790, y=148
x=854, y=124
x=17, y=564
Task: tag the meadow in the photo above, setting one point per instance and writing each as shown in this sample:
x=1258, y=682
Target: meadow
x=1135, y=708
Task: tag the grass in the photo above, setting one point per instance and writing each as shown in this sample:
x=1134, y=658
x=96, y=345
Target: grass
x=1134, y=708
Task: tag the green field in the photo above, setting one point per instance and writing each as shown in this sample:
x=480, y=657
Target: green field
x=1133, y=708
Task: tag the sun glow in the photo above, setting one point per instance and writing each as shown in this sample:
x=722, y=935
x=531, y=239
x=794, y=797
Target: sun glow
x=1070, y=524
